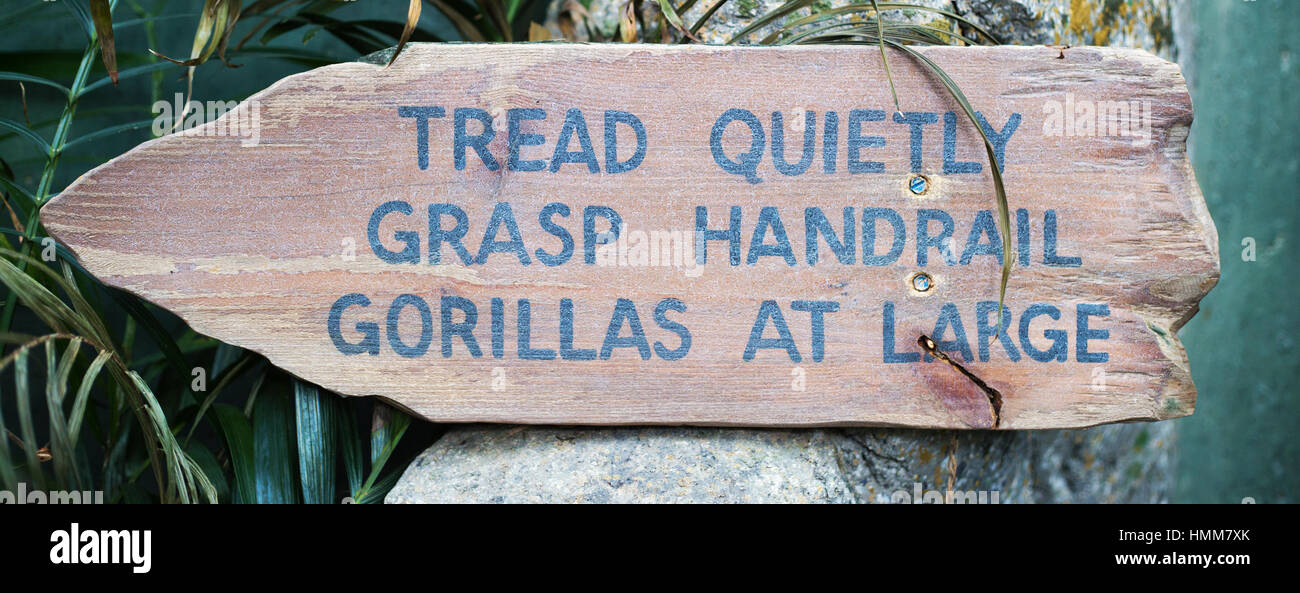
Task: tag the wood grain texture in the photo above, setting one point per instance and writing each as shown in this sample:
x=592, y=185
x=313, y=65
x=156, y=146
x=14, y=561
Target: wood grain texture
x=244, y=242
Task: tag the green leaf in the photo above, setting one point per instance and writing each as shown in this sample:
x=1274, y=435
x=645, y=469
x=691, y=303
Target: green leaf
x=216, y=391
x=380, y=489
x=303, y=57
x=93, y=319
x=350, y=444
x=27, y=133
x=226, y=355
x=356, y=37
x=670, y=14
x=708, y=14
x=461, y=16
x=30, y=199
x=387, y=430
x=186, y=480
x=83, y=17
x=316, y=442
x=8, y=477
x=129, y=73
x=391, y=29
x=25, y=423
x=253, y=391
x=56, y=315
x=79, y=403
x=109, y=131
x=153, y=19
x=163, y=338
x=239, y=444
x=273, y=443
x=57, y=373
x=20, y=77
x=211, y=468
x=52, y=311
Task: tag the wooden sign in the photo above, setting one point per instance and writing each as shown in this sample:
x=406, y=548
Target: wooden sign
x=629, y=234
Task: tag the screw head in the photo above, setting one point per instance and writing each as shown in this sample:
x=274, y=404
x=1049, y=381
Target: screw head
x=918, y=184
x=922, y=282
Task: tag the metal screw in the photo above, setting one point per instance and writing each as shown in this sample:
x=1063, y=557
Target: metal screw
x=918, y=184
x=922, y=282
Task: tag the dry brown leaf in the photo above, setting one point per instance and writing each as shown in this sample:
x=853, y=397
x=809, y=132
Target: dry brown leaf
x=412, y=19
x=537, y=32
x=627, y=23
x=102, y=14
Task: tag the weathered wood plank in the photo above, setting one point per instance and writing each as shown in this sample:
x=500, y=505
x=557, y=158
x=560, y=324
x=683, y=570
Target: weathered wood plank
x=253, y=244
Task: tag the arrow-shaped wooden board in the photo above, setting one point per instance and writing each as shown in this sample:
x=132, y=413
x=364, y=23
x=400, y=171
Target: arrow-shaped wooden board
x=628, y=234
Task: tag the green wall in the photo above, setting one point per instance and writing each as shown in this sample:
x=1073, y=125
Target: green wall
x=1241, y=63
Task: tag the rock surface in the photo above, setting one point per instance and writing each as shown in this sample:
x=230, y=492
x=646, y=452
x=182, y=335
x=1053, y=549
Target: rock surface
x=1134, y=23
x=514, y=464
x=1119, y=463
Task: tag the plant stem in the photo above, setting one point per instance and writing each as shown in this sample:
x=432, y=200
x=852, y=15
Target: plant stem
x=60, y=139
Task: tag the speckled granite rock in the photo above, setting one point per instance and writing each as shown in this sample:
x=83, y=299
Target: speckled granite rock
x=621, y=465
x=1119, y=463
x=511, y=464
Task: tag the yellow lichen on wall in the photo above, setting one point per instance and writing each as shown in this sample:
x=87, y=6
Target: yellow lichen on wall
x=1128, y=23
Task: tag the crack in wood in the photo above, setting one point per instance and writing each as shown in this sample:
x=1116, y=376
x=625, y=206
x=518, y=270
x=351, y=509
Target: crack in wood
x=995, y=397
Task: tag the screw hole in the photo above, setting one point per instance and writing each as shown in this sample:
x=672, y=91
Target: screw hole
x=921, y=282
x=918, y=184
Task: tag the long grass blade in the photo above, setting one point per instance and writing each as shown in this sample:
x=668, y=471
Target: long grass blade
x=906, y=33
x=216, y=23
x=496, y=13
x=26, y=425
x=207, y=463
x=169, y=463
x=161, y=337
x=1004, y=211
x=386, y=429
x=380, y=488
x=187, y=483
x=82, y=399
x=389, y=427
x=223, y=380
x=670, y=14
x=57, y=374
x=822, y=15
x=884, y=58
x=8, y=477
x=708, y=14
